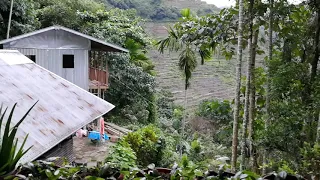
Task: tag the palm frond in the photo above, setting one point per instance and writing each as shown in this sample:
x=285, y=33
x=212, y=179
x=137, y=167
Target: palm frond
x=172, y=42
x=205, y=54
x=187, y=63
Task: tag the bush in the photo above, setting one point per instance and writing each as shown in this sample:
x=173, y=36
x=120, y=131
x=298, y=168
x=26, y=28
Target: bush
x=185, y=170
x=122, y=156
x=143, y=147
x=215, y=116
x=217, y=111
x=311, y=159
x=147, y=145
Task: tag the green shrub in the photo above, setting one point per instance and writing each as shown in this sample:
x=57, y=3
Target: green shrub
x=216, y=111
x=311, y=159
x=122, y=156
x=143, y=147
x=219, y=114
x=186, y=169
x=147, y=145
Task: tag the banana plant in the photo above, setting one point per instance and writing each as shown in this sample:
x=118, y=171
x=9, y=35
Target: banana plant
x=9, y=153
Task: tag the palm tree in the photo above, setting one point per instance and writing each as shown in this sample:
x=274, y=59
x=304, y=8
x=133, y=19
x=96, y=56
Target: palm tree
x=237, y=92
x=177, y=42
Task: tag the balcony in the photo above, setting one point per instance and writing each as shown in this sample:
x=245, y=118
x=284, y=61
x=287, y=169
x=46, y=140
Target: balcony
x=98, y=81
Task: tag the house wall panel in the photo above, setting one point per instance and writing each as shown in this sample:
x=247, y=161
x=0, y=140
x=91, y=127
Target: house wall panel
x=51, y=59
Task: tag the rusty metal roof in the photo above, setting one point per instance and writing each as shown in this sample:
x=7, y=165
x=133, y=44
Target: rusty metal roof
x=63, y=107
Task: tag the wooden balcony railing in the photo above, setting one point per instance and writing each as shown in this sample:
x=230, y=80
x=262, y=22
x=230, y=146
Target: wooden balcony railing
x=99, y=77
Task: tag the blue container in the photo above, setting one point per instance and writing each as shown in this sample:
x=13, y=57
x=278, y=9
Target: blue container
x=95, y=135
x=106, y=137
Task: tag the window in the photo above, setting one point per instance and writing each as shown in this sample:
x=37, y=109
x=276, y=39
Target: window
x=32, y=57
x=68, y=61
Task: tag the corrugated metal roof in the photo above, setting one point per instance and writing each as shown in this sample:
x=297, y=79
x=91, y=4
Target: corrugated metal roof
x=57, y=27
x=63, y=107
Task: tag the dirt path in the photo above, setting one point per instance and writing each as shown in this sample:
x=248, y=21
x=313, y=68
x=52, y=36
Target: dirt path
x=87, y=152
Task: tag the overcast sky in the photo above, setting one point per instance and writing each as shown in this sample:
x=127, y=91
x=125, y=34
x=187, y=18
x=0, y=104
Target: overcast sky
x=227, y=3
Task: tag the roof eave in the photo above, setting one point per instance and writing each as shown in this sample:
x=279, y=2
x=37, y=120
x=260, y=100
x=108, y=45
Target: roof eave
x=112, y=47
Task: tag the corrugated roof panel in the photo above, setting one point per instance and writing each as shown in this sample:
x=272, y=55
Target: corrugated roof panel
x=63, y=107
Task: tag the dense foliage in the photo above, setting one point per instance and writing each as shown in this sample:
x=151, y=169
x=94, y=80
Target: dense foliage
x=278, y=103
x=148, y=144
x=186, y=169
x=156, y=10
x=24, y=18
x=278, y=108
x=148, y=9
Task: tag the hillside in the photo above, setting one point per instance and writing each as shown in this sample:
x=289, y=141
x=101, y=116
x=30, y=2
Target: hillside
x=199, y=6
x=213, y=80
x=159, y=10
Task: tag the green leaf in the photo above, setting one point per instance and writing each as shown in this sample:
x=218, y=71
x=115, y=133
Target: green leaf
x=186, y=13
x=197, y=172
x=48, y=173
x=283, y=175
x=93, y=178
x=8, y=155
x=243, y=176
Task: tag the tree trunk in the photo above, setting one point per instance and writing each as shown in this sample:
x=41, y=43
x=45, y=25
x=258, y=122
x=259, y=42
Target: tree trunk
x=306, y=133
x=237, y=92
x=315, y=67
x=183, y=120
x=314, y=64
x=252, y=105
x=247, y=93
x=265, y=153
x=318, y=131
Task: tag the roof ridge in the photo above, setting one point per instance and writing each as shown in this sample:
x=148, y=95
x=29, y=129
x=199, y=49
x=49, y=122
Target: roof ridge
x=59, y=27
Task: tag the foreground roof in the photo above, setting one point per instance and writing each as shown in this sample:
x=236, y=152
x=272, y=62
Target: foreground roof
x=96, y=44
x=63, y=107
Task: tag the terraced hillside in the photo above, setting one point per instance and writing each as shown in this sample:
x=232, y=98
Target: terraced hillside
x=213, y=80
x=194, y=5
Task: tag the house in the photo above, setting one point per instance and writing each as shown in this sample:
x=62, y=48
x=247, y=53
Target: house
x=67, y=53
x=63, y=107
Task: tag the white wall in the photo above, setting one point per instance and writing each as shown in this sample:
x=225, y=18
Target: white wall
x=51, y=59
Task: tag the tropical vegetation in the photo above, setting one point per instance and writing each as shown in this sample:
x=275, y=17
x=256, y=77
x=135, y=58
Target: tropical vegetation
x=270, y=125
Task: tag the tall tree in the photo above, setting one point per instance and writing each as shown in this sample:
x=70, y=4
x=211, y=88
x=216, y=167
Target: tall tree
x=180, y=39
x=314, y=64
x=270, y=34
x=248, y=89
x=316, y=5
x=252, y=105
x=237, y=91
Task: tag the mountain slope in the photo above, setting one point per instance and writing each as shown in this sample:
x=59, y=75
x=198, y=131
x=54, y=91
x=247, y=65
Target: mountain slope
x=158, y=10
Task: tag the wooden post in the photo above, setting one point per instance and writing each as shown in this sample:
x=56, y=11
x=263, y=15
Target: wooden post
x=9, y=23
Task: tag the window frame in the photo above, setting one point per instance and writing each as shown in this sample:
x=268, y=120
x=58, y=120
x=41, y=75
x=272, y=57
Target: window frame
x=68, y=57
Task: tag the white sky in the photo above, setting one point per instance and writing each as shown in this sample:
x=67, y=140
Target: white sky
x=227, y=3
